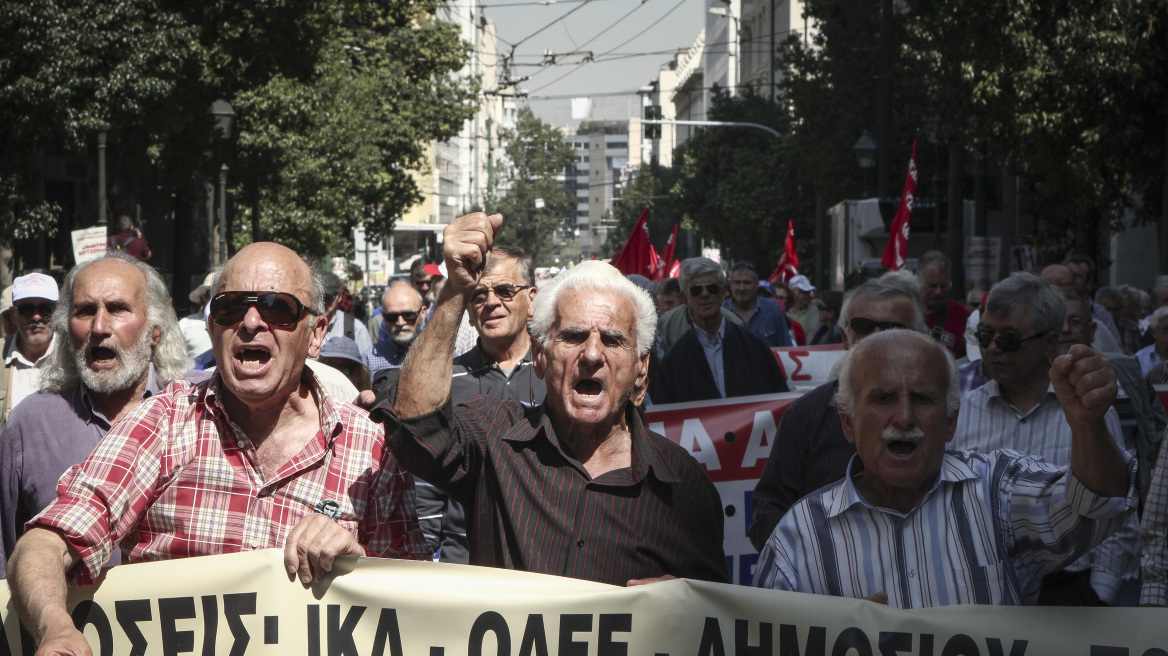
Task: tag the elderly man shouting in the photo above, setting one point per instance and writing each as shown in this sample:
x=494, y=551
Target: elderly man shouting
x=916, y=525
x=576, y=486
x=257, y=456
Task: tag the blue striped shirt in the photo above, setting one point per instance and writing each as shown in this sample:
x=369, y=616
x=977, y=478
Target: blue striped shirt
x=1155, y=536
x=987, y=422
x=987, y=532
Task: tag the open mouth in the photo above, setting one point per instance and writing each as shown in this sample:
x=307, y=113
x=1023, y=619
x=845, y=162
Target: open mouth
x=252, y=358
x=902, y=447
x=102, y=354
x=588, y=387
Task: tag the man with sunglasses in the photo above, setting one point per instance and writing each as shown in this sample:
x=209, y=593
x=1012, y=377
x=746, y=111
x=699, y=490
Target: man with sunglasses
x=33, y=298
x=1019, y=409
x=401, y=311
x=717, y=359
x=257, y=456
x=810, y=450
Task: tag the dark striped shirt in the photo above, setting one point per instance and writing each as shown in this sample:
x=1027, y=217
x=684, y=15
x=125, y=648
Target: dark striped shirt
x=532, y=506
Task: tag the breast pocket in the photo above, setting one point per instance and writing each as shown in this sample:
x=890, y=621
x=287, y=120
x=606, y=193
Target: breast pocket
x=983, y=585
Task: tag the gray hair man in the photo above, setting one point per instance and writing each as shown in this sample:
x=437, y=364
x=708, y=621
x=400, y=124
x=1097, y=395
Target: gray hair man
x=576, y=486
x=1021, y=408
x=810, y=449
x=247, y=440
x=678, y=321
x=118, y=344
x=27, y=351
x=402, y=316
x=944, y=316
x=717, y=359
x=1010, y=519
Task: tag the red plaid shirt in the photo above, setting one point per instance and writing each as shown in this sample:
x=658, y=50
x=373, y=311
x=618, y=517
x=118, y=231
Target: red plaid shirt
x=177, y=478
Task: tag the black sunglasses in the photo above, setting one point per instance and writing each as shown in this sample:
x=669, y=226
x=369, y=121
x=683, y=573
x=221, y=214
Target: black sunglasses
x=505, y=292
x=864, y=326
x=29, y=309
x=392, y=317
x=712, y=287
x=1007, y=342
x=276, y=308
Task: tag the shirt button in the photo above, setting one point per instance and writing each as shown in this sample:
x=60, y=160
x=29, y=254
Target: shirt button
x=255, y=544
x=580, y=543
x=912, y=573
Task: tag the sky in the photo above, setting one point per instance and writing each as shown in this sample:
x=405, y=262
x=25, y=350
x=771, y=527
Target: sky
x=636, y=37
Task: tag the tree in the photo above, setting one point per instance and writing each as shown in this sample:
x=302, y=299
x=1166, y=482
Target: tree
x=537, y=156
x=325, y=153
x=739, y=187
x=651, y=187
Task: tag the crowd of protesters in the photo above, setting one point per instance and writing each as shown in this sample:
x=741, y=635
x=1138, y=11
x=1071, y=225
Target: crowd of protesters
x=997, y=449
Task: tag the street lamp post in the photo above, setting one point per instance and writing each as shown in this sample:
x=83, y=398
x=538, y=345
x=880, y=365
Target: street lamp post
x=102, y=218
x=224, y=119
x=866, y=150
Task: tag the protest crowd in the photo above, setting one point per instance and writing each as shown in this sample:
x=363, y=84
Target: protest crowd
x=998, y=451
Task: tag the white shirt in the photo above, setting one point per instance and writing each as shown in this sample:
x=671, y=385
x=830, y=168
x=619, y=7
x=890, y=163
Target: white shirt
x=194, y=330
x=25, y=375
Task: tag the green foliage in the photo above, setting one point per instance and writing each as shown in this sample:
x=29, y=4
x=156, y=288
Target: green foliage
x=336, y=101
x=651, y=187
x=335, y=149
x=739, y=186
x=537, y=157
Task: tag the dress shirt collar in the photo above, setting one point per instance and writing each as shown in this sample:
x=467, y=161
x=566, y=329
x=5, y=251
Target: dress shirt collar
x=707, y=340
x=645, y=458
x=14, y=354
x=477, y=362
x=843, y=497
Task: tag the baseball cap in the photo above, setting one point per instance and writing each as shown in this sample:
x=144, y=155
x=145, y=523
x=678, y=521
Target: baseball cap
x=766, y=285
x=341, y=347
x=433, y=270
x=35, y=285
x=802, y=284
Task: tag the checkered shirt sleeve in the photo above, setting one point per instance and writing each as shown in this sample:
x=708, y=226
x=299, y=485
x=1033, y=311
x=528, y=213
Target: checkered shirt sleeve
x=177, y=478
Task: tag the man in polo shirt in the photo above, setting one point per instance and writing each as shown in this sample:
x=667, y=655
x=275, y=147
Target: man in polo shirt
x=945, y=317
x=33, y=298
x=576, y=486
x=915, y=525
x=268, y=457
x=762, y=316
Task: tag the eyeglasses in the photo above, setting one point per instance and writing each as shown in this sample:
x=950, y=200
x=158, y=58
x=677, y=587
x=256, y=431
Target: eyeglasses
x=392, y=317
x=1007, y=342
x=711, y=287
x=276, y=308
x=504, y=292
x=864, y=326
x=29, y=309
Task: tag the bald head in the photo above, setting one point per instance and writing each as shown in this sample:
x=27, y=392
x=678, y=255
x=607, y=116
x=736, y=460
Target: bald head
x=401, y=296
x=282, y=269
x=1059, y=276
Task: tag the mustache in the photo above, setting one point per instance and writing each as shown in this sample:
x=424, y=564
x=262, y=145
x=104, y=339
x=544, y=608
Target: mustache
x=892, y=434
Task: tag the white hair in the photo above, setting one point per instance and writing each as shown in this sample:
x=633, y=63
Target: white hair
x=170, y=357
x=845, y=398
x=594, y=276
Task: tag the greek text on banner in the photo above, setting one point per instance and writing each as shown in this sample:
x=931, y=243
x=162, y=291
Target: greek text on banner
x=246, y=603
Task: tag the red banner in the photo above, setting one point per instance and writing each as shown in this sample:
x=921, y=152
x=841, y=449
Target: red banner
x=789, y=262
x=638, y=256
x=665, y=264
x=894, y=253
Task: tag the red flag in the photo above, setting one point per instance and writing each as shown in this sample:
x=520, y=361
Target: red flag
x=665, y=264
x=637, y=256
x=898, y=241
x=789, y=262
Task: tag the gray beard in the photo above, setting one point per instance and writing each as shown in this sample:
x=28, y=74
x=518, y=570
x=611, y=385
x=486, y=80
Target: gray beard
x=403, y=339
x=132, y=364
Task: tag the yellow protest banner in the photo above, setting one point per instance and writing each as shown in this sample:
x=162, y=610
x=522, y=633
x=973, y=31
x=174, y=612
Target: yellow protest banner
x=247, y=604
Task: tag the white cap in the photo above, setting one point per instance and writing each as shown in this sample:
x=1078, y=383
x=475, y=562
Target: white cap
x=35, y=285
x=196, y=294
x=801, y=283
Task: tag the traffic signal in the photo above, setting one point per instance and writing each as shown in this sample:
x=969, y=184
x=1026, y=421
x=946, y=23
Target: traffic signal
x=652, y=130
